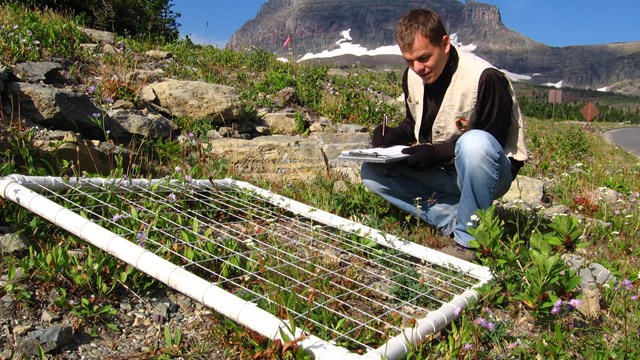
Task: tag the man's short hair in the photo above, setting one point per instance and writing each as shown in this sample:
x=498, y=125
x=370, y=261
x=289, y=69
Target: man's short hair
x=420, y=21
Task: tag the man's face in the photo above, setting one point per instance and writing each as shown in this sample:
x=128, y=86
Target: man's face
x=425, y=59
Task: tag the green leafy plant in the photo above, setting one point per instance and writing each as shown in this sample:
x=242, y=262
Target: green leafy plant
x=28, y=36
x=537, y=276
x=172, y=340
x=408, y=289
x=14, y=286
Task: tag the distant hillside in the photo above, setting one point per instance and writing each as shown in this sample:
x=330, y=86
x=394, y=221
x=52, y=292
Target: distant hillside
x=315, y=25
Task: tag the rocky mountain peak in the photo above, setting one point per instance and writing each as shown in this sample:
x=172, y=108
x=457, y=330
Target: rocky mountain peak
x=316, y=25
x=484, y=15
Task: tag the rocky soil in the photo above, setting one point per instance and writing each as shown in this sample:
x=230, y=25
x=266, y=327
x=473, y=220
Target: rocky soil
x=28, y=327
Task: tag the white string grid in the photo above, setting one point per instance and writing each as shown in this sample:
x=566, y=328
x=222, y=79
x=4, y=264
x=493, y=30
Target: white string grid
x=339, y=286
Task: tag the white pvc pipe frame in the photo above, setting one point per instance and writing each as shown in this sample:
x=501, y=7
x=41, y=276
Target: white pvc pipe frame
x=20, y=189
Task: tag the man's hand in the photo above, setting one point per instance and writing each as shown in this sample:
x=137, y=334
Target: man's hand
x=392, y=136
x=422, y=156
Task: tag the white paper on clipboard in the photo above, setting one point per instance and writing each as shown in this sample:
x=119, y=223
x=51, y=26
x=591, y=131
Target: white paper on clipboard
x=382, y=155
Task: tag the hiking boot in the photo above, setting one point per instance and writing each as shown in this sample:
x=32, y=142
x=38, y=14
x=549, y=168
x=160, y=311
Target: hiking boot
x=454, y=249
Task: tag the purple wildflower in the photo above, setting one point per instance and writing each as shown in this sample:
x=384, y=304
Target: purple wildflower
x=178, y=169
x=457, y=310
x=514, y=345
x=96, y=115
x=467, y=346
x=574, y=303
x=172, y=197
x=626, y=283
x=141, y=237
x=117, y=217
x=634, y=298
x=556, y=307
x=485, y=324
x=91, y=89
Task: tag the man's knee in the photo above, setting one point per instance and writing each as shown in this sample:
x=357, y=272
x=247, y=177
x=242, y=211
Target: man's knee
x=475, y=142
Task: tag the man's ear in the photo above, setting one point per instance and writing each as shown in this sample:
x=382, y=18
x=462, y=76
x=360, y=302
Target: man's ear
x=446, y=43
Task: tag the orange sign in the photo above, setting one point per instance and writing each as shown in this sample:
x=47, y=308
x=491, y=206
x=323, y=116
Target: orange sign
x=589, y=111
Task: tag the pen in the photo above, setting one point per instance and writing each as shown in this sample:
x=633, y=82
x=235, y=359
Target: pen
x=384, y=126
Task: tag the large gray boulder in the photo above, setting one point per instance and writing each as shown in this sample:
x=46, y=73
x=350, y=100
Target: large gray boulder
x=45, y=71
x=195, y=99
x=62, y=109
x=144, y=124
x=278, y=157
x=98, y=36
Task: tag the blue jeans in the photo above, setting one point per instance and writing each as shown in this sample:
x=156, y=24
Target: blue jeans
x=446, y=196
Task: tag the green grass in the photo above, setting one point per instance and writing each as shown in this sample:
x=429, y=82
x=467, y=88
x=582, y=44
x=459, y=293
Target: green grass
x=525, y=312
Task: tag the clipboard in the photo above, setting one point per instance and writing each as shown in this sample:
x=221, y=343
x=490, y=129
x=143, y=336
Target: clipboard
x=377, y=155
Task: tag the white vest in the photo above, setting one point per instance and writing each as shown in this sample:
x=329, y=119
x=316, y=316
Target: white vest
x=457, y=112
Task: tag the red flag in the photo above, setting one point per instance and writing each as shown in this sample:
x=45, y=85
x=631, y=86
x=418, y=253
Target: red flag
x=286, y=42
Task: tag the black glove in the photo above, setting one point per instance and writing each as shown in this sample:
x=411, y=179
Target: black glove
x=422, y=156
x=392, y=136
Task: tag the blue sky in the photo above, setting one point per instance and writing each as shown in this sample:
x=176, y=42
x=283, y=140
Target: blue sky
x=552, y=22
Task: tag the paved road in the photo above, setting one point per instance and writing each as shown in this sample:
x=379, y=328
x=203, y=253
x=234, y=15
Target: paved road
x=626, y=138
